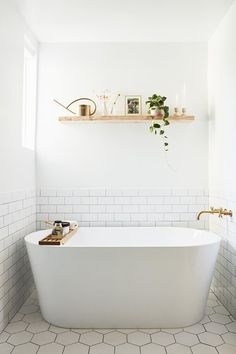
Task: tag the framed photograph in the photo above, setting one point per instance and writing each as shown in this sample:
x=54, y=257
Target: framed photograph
x=133, y=105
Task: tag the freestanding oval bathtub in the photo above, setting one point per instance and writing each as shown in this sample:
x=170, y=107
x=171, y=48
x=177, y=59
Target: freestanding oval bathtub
x=124, y=277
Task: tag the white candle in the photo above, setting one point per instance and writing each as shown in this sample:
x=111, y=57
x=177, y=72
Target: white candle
x=184, y=96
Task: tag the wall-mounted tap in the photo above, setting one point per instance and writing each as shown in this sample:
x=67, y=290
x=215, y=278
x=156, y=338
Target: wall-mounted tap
x=219, y=211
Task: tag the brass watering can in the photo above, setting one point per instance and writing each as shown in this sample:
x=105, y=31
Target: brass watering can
x=83, y=110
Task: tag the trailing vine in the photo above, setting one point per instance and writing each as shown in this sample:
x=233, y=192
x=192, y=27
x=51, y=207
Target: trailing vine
x=158, y=110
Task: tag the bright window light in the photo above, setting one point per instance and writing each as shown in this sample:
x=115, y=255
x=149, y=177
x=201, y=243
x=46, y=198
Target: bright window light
x=29, y=95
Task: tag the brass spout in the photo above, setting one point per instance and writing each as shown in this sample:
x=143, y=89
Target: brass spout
x=219, y=211
x=202, y=212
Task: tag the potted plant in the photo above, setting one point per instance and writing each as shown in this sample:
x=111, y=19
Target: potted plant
x=158, y=110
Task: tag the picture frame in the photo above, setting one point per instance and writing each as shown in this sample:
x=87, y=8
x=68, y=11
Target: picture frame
x=133, y=105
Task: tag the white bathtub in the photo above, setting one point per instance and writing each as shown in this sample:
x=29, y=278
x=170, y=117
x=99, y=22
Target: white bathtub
x=124, y=277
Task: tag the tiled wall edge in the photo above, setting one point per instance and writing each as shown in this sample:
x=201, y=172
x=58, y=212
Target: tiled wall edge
x=224, y=282
x=17, y=219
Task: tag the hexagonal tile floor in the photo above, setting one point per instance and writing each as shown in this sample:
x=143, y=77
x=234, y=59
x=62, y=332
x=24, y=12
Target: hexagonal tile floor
x=28, y=333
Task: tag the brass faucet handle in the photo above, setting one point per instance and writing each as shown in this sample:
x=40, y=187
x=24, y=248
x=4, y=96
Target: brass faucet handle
x=219, y=211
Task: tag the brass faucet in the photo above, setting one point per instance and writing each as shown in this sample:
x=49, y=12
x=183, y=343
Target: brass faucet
x=219, y=211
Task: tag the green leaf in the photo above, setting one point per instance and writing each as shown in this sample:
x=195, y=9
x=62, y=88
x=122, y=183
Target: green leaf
x=156, y=125
x=162, y=132
x=166, y=144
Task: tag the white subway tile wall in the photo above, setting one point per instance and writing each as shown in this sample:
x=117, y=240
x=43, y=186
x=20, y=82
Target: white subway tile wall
x=102, y=207
x=105, y=207
x=17, y=219
x=224, y=283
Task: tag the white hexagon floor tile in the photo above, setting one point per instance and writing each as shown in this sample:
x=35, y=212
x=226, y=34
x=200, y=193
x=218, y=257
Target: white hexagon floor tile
x=216, y=328
x=6, y=348
x=203, y=349
x=43, y=338
x=127, y=348
x=212, y=303
x=52, y=348
x=209, y=310
x=221, y=309
x=206, y=319
x=57, y=330
x=91, y=338
x=16, y=327
x=28, y=348
x=20, y=338
x=4, y=336
x=178, y=349
x=186, y=338
x=37, y=327
x=223, y=319
x=232, y=327
x=101, y=348
x=226, y=349
x=33, y=317
x=139, y=338
x=27, y=309
x=212, y=296
x=115, y=338
x=210, y=339
x=195, y=329
x=163, y=338
x=230, y=338
x=152, y=348
x=18, y=317
x=67, y=338
x=77, y=348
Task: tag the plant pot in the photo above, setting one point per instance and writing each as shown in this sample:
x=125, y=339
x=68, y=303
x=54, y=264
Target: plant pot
x=155, y=112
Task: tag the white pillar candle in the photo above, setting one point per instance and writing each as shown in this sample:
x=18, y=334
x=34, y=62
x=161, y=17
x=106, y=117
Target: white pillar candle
x=184, y=96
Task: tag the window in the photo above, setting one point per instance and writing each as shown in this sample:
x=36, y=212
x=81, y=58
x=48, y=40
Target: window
x=29, y=94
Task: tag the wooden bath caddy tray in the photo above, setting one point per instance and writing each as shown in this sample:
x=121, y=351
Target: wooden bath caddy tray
x=53, y=241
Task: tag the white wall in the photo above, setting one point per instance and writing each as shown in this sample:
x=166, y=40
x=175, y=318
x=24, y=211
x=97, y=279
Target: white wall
x=222, y=71
x=17, y=163
x=222, y=93
x=121, y=155
x=17, y=171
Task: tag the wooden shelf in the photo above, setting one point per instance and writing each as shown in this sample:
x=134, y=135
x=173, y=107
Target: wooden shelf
x=121, y=118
